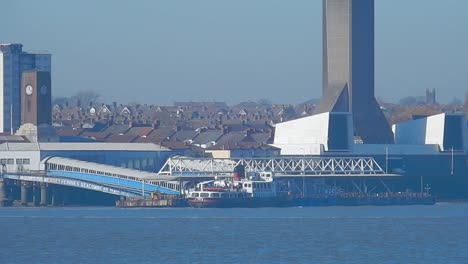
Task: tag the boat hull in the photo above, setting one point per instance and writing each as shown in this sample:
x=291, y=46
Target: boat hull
x=237, y=202
x=308, y=201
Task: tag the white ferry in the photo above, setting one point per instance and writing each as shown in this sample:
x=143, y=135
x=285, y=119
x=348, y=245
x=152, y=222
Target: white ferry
x=255, y=191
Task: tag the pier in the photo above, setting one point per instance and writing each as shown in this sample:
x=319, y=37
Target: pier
x=64, y=180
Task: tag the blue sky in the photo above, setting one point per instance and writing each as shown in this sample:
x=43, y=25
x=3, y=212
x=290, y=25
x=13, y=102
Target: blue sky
x=179, y=50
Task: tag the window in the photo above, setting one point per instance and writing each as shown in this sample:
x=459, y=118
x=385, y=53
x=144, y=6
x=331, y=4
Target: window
x=195, y=194
x=19, y=161
x=10, y=161
x=205, y=195
x=215, y=195
x=26, y=161
x=3, y=161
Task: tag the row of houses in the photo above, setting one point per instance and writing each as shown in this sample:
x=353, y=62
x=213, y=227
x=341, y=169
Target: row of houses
x=192, y=114
x=247, y=137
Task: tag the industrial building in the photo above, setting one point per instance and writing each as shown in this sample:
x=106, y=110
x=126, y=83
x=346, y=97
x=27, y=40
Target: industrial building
x=432, y=150
x=348, y=68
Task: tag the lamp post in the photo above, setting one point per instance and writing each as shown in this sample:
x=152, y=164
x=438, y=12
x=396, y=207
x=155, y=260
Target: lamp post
x=303, y=172
x=451, y=165
x=386, y=159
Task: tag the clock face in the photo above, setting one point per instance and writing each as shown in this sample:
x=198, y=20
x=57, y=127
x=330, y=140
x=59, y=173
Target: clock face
x=29, y=90
x=43, y=90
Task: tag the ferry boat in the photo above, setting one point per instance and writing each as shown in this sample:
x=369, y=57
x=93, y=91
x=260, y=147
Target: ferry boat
x=255, y=191
x=261, y=190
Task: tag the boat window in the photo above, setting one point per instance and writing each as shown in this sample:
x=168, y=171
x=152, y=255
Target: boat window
x=232, y=195
x=250, y=185
x=245, y=184
x=195, y=194
x=215, y=195
x=205, y=195
x=224, y=195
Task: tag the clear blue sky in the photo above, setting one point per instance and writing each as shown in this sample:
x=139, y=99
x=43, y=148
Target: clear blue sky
x=157, y=51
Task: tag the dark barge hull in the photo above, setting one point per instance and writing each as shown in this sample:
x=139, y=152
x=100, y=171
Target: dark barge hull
x=311, y=201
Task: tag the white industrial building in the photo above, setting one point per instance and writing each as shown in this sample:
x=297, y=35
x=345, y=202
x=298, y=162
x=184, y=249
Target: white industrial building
x=315, y=134
x=447, y=131
x=333, y=132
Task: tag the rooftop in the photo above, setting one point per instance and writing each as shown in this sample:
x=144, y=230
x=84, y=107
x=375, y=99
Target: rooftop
x=91, y=146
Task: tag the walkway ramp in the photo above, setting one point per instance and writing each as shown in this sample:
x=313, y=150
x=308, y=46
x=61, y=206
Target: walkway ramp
x=130, y=180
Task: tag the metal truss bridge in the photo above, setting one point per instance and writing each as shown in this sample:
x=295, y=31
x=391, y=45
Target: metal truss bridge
x=181, y=166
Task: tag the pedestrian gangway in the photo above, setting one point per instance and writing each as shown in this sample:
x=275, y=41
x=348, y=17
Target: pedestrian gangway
x=130, y=180
x=98, y=177
x=310, y=166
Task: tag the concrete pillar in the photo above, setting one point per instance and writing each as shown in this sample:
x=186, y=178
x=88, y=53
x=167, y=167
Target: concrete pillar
x=43, y=194
x=24, y=194
x=2, y=193
x=34, y=194
x=52, y=202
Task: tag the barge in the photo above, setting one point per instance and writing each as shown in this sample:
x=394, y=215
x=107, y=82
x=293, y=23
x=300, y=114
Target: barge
x=262, y=190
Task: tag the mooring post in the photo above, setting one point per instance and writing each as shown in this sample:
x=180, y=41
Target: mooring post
x=34, y=195
x=43, y=194
x=24, y=194
x=52, y=202
x=2, y=192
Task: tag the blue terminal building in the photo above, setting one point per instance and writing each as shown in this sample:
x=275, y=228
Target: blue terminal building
x=140, y=156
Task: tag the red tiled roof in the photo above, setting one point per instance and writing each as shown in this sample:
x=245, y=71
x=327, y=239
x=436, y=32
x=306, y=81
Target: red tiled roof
x=69, y=132
x=99, y=136
x=174, y=145
x=121, y=138
x=140, y=131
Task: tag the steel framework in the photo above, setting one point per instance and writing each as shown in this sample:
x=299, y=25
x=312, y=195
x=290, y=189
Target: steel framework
x=282, y=167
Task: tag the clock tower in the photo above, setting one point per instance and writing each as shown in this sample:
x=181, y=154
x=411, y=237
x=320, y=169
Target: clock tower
x=36, y=98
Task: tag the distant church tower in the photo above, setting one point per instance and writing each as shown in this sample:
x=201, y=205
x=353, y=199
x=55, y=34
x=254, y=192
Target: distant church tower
x=431, y=97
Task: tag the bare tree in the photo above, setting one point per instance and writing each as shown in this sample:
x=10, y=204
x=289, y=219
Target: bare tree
x=87, y=97
x=60, y=101
x=264, y=102
x=465, y=106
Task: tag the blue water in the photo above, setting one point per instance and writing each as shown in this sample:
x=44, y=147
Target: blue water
x=395, y=234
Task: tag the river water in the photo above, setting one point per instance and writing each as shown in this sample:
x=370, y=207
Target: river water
x=367, y=234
